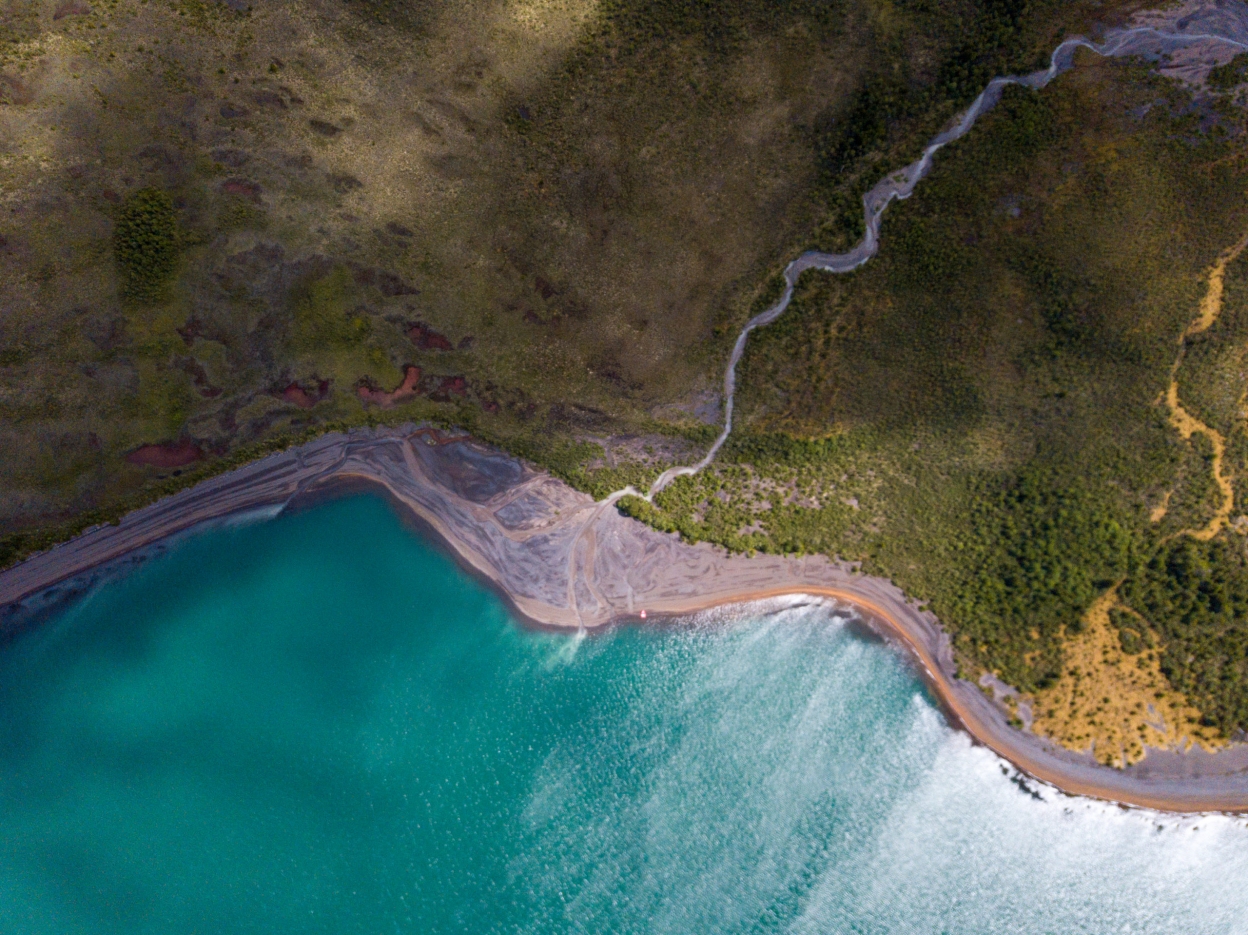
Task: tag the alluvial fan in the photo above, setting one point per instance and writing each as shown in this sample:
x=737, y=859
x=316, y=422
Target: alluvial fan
x=318, y=724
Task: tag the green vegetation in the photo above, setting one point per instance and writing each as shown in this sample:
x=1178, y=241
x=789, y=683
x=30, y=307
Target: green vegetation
x=1134, y=635
x=323, y=316
x=1035, y=556
x=145, y=243
x=1231, y=75
x=220, y=244
x=1195, y=596
x=977, y=414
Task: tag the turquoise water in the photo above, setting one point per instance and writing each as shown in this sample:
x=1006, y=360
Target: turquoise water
x=318, y=724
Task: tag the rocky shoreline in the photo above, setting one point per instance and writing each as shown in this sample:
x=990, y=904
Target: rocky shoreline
x=560, y=559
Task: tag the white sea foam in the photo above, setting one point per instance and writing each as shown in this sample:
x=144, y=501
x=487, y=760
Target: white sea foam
x=799, y=764
x=1225, y=33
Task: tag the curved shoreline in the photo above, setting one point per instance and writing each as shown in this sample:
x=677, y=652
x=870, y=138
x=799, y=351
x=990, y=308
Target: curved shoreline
x=559, y=560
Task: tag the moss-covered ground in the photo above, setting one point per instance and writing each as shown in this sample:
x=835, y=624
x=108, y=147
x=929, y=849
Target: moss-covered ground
x=222, y=219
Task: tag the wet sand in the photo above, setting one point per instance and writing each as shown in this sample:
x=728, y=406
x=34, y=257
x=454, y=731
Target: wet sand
x=561, y=560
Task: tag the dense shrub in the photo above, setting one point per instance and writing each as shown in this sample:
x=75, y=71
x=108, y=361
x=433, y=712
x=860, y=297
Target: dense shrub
x=1040, y=552
x=1195, y=595
x=145, y=243
x=1231, y=75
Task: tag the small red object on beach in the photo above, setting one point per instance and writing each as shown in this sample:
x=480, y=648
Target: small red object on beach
x=643, y=615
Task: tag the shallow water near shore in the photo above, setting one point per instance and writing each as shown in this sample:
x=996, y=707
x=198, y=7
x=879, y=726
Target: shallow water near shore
x=317, y=723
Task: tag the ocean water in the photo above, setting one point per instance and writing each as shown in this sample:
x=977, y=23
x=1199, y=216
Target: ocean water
x=318, y=724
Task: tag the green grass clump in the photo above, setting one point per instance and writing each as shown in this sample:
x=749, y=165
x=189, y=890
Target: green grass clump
x=239, y=215
x=562, y=458
x=146, y=244
x=1134, y=635
x=324, y=319
x=1231, y=75
x=766, y=448
x=977, y=414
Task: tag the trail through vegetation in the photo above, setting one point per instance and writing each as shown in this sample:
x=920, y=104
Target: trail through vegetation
x=1186, y=423
x=900, y=185
x=979, y=414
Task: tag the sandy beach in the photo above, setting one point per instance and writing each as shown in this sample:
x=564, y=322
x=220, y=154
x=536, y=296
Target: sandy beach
x=561, y=560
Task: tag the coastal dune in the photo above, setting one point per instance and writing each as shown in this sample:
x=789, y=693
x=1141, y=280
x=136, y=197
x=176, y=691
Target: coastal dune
x=560, y=559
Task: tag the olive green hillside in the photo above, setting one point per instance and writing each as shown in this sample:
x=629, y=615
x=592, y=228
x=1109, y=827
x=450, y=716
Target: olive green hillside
x=981, y=412
x=226, y=225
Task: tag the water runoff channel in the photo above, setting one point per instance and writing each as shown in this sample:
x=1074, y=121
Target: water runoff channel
x=899, y=185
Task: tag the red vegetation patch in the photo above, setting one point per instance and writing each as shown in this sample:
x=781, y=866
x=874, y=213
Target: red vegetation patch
x=427, y=339
x=413, y=385
x=71, y=8
x=405, y=390
x=167, y=455
x=13, y=91
x=241, y=187
x=297, y=395
x=449, y=386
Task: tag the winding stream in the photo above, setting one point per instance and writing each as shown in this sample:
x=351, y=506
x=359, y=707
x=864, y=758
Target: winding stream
x=898, y=185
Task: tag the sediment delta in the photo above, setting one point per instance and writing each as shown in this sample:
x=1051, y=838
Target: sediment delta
x=560, y=559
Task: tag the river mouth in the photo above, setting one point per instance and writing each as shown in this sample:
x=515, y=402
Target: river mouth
x=318, y=723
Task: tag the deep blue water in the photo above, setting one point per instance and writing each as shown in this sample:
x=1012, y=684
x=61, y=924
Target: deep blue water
x=318, y=724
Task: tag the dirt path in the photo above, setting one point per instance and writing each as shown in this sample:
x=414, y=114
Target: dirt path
x=1188, y=425
x=900, y=184
x=1184, y=421
x=1211, y=304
